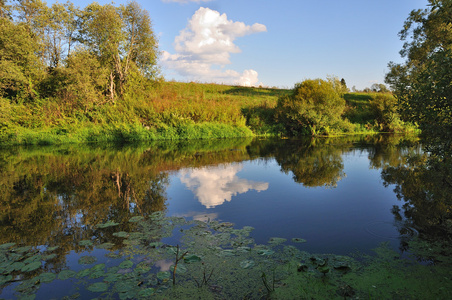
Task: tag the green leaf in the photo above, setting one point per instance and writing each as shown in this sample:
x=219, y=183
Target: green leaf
x=107, y=224
x=265, y=252
x=83, y=273
x=126, y=264
x=105, y=246
x=98, y=287
x=50, y=249
x=86, y=260
x=146, y=293
x=298, y=240
x=31, y=266
x=121, y=234
x=247, y=264
x=66, y=274
x=6, y=246
x=47, y=277
x=181, y=269
x=191, y=259
x=136, y=219
x=276, y=240
x=85, y=243
x=164, y=275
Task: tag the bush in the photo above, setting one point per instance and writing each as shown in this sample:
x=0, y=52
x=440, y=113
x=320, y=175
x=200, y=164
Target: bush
x=315, y=107
x=384, y=109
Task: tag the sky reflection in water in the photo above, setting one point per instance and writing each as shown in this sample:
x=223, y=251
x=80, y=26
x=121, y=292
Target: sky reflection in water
x=352, y=214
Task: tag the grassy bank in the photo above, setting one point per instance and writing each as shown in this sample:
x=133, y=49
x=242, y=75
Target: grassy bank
x=170, y=111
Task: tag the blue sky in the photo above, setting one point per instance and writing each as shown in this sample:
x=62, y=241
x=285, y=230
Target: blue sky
x=277, y=43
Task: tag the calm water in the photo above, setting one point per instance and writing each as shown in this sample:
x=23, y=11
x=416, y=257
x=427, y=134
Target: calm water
x=329, y=192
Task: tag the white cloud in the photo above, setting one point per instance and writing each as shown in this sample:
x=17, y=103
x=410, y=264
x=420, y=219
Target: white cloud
x=208, y=41
x=215, y=185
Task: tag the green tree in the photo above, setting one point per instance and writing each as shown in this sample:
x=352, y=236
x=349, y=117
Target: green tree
x=20, y=67
x=423, y=83
x=120, y=37
x=315, y=107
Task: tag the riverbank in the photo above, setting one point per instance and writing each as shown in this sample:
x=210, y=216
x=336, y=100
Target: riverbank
x=170, y=111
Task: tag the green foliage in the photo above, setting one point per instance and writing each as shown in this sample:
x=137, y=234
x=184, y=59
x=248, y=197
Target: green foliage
x=315, y=107
x=423, y=83
x=20, y=68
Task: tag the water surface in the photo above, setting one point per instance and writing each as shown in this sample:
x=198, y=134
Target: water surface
x=329, y=192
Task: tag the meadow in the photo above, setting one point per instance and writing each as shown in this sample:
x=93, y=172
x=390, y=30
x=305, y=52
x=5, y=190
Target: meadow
x=174, y=111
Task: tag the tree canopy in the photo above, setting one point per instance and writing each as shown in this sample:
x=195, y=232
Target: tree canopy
x=47, y=50
x=315, y=106
x=423, y=83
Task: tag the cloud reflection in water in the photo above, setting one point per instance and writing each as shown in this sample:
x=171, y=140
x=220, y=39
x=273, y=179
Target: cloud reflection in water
x=215, y=185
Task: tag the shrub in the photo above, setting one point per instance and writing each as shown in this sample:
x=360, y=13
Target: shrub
x=384, y=109
x=315, y=107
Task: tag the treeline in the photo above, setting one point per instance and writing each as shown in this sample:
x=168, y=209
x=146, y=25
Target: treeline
x=70, y=74
x=81, y=56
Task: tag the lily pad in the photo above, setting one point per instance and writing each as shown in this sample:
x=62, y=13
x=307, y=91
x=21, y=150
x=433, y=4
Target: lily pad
x=98, y=287
x=181, y=269
x=163, y=275
x=31, y=266
x=50, y=249
x=97, y=271
x=113, y=277
x=107, y=224
x=49, y=256
x=265, y=252
x=126, y=264
x=83, y=273
x=146, y=293
x=66, y=274
x=247, y=264
x=85, y=243
x=191, y=259
x=121, y=234
x=47, y=277
x=5, y=279
x=7, y=246
x=122, y=286
x=243, y=249
x=276, y=240
x=86, y=260
x=33, y=258
x=143, y=267
x=22, y=249
x=227, y=252
x=136, y=219
x=298, y=240
x=105, y=246
x=17, y=266
x=155, y=244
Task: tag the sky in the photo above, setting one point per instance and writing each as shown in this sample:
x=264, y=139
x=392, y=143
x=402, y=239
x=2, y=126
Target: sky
x=277, y=43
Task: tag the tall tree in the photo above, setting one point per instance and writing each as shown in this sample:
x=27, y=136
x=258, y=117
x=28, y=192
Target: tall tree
x=423, y=83
x=122, y=38
x=20, y=68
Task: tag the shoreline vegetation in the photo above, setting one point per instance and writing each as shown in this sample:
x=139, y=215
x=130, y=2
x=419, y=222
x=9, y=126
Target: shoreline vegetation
x=183, y=111
x=83, y=75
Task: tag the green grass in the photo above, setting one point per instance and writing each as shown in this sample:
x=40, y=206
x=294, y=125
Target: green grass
x=359, y=109
x=166, y=111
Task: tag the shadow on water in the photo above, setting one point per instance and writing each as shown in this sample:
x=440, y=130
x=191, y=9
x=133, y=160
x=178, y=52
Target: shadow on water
x=94, y=217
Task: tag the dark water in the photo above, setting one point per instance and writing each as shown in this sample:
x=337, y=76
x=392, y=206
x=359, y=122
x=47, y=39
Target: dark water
x=329, y=192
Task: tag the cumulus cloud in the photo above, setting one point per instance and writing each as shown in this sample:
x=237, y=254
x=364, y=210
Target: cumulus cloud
x=215, y=185
x=206, y=42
